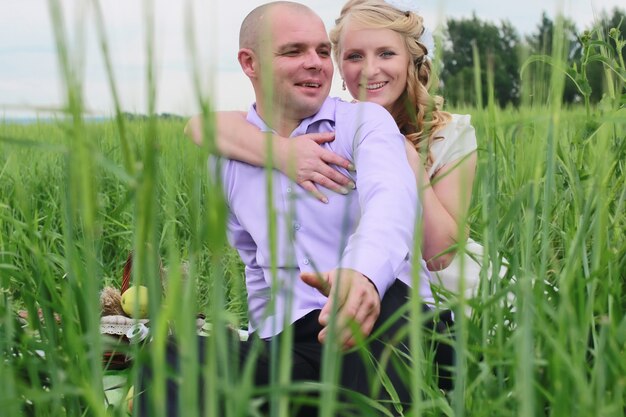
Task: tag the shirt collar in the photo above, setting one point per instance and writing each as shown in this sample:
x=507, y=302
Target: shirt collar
x=325, y=113
x=254, y=118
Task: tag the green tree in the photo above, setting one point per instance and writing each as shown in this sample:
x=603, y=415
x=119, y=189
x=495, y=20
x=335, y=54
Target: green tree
x=541, y=42
x=596, y=72
x=593, y=79
x=498, y=49
x=617, y=19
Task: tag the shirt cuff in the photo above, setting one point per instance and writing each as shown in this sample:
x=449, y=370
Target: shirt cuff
x=379, y=272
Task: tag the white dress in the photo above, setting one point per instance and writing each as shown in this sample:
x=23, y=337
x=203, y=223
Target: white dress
x=458, y=140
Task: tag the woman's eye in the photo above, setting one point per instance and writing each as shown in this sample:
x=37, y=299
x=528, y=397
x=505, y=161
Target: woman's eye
x=387, y=54
x=353, y=57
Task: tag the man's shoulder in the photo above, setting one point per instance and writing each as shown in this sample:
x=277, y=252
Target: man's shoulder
x=358, y=106
x=357, y=113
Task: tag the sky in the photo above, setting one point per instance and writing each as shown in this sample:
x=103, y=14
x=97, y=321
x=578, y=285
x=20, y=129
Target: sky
x=31, y=82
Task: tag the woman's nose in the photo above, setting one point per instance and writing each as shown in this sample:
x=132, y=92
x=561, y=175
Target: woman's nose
x=370, y=68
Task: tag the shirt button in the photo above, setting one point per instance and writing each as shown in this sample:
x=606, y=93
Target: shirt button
x=306, y=261
x=288, y=189
x=297, y=226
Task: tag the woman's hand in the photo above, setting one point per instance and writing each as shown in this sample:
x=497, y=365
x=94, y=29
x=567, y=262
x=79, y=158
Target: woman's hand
x=306, y=162
x=301, y=158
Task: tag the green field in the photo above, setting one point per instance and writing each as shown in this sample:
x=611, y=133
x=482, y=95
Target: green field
x=548, y=339
x=549, y=196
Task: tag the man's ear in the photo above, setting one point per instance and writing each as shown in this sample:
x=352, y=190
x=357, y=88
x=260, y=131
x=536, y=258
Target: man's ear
x=248, y=62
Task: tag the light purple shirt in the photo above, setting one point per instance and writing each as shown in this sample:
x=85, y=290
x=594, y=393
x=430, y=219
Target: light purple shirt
x=369, y=230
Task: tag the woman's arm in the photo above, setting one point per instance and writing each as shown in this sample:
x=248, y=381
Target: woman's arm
x=235, y=138
x=445, y=200
x=302, y=159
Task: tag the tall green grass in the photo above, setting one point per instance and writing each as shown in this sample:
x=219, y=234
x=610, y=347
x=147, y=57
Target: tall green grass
x=76, y=196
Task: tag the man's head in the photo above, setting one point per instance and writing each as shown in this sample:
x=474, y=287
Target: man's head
x=284, y=47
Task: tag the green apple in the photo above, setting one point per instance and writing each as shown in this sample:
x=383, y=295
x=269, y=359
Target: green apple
x=129, y=399
x=135, y=302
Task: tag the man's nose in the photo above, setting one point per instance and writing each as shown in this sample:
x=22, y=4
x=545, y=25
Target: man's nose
x=313, y=61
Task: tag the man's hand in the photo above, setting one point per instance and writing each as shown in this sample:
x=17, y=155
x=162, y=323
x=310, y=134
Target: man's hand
x=303, y=159
x=358, y=303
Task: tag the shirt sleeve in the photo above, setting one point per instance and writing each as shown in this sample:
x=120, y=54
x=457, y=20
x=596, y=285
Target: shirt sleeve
x=387, y=194
x=222, y=169
x=457, y=140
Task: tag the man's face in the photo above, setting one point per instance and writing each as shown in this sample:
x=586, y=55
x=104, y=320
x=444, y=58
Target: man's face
x=301, y=63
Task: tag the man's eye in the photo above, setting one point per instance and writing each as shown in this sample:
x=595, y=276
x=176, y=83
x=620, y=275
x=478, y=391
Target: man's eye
x=291, y=52
x=324, y=53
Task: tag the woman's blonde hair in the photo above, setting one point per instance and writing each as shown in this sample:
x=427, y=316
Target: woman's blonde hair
x=417, y=113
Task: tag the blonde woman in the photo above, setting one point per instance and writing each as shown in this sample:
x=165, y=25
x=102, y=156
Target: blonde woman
x=381, y=56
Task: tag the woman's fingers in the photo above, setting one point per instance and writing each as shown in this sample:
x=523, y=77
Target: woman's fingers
x=326, y=177
x=313, y=165
x=324, y=181
x=331, y=157
x=311, y=188
x=321, y=137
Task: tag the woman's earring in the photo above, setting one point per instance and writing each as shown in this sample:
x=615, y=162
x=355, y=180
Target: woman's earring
x=343, y=85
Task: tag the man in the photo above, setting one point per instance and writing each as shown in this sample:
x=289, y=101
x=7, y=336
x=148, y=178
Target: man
x=293, y=49
x=343, y=265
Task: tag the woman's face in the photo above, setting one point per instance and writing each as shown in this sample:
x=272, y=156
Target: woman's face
x=373, y=63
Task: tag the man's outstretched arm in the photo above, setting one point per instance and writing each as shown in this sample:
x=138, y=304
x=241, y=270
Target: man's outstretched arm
x=381, y=244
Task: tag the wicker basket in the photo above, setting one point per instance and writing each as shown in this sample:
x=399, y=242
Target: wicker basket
x=121, y=330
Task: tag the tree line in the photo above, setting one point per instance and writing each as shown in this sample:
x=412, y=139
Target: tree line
x=479, y=56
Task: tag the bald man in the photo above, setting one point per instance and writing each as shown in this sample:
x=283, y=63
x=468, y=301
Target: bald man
x=330, y=273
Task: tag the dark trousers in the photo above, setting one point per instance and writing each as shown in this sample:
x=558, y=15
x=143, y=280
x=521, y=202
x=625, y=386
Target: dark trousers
x=357, y=366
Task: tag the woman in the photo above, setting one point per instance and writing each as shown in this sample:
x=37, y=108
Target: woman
x=381, y=57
